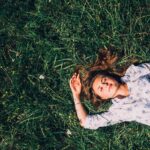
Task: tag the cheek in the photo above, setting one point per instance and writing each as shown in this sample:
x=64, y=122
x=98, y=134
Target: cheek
x=108, y=94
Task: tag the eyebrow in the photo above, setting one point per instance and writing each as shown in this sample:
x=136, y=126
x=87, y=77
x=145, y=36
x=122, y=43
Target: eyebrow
x=103, y=78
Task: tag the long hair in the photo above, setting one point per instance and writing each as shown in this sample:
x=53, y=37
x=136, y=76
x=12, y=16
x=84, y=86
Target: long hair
x=105, y=64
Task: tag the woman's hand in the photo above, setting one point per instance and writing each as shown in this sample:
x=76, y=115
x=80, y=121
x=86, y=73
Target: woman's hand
x=75, y=85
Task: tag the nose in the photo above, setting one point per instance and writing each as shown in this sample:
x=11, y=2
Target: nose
x=104, y=85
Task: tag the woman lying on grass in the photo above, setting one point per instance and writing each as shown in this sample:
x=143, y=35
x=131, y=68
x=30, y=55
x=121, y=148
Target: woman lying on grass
x=129, y=91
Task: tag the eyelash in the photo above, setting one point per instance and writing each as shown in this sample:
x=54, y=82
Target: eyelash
x=103, y=80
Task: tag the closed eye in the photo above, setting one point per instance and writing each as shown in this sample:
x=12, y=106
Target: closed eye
x=103, y=80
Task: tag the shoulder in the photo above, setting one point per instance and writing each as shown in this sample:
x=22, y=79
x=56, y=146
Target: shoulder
x=135, y=71
x=137, y=68
x=132, y=69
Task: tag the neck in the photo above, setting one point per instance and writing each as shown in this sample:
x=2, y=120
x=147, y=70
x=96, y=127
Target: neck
x=122, y=91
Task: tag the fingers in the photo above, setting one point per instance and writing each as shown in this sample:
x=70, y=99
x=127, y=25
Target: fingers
x=71, y=84
x=75, y=83
x=74, y=75
x=78, y=78
x=75, y=78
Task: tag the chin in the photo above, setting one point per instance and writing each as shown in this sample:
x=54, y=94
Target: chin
x=113, y=94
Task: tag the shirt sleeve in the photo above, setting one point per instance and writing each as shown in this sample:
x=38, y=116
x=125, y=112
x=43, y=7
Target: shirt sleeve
x=107, y=118
x=134, y=72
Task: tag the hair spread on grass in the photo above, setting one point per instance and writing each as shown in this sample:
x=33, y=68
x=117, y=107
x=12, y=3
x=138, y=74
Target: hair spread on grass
x=105, y=64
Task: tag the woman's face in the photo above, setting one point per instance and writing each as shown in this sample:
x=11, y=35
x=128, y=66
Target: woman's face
x=105, y=87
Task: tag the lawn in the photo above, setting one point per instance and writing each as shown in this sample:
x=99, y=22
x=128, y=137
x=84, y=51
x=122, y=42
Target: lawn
x=41, y=42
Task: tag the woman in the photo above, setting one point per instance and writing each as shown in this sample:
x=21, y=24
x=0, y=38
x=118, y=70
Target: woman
x=130, y=93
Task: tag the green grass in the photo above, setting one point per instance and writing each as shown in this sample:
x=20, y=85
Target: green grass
x=49, y=38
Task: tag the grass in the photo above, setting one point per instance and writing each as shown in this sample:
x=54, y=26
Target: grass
x=50, y=38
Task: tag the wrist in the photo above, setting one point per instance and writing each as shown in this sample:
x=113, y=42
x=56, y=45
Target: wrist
x=77, y=96
x=77, y=103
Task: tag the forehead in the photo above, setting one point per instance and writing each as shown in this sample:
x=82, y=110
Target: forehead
x=95, y=84
x=96, y=80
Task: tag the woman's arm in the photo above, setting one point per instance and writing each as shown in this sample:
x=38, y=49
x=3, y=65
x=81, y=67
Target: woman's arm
x=75, y=86
x=111, y=117
x=95, y=121
x=81, y=113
